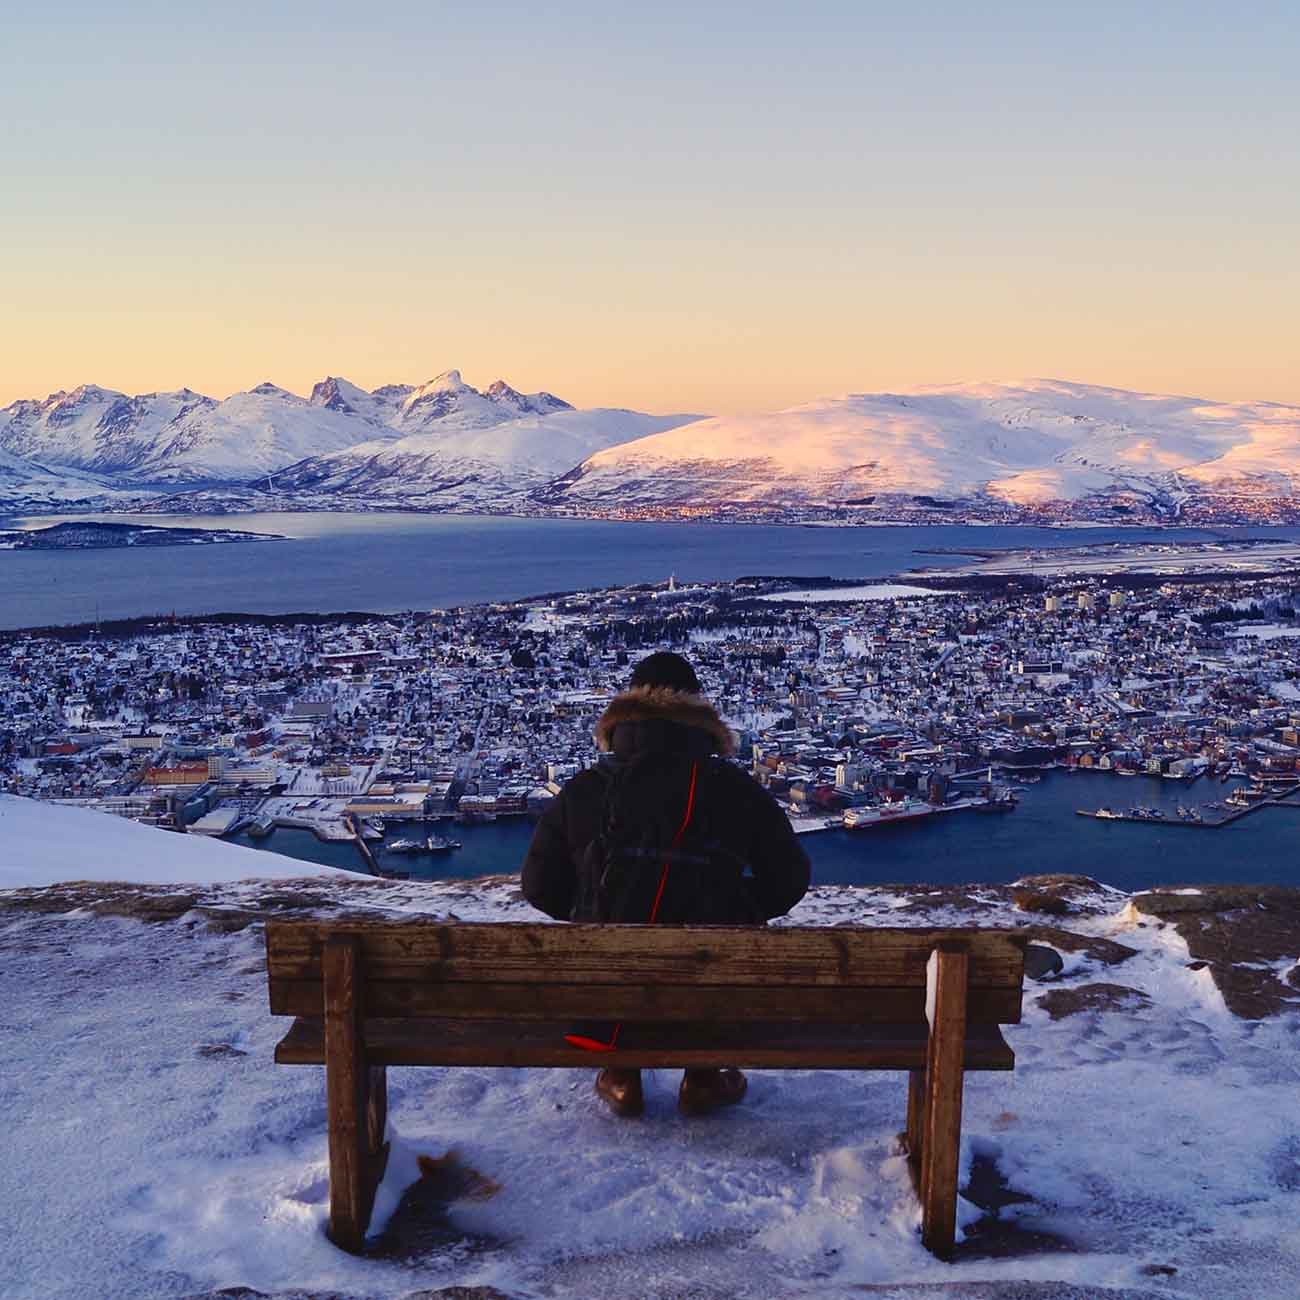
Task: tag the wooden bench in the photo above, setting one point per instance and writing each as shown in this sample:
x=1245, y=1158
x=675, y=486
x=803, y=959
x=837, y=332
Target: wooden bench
x=371, y=995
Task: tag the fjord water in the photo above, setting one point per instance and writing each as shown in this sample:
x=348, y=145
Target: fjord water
x=390, y=562
x=1043, y=834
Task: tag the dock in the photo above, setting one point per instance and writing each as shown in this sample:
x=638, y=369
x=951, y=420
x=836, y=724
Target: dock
x=1283, y=800
x=354, y=825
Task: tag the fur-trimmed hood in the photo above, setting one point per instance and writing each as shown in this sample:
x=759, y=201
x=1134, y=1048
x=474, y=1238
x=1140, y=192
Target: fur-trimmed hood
x=663, y=704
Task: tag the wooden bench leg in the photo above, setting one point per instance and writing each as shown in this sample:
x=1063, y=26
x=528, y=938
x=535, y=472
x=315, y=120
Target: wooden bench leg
x=356, y=1110
x=941, y=1120
x=376, y=1110
x=910, y=1138
x=915, y=1112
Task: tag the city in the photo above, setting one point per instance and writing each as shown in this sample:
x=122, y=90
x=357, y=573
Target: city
x=854, y=706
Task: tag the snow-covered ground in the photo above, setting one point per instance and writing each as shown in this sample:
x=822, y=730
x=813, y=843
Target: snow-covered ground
x=152, y=1148
x=871, y=591
x=41, y=843
x=1268, y=632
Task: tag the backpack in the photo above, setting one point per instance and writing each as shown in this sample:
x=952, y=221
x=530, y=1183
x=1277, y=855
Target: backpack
x=660, y=855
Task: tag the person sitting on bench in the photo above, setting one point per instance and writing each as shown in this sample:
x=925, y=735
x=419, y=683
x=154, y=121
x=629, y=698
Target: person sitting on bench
x=662, y=830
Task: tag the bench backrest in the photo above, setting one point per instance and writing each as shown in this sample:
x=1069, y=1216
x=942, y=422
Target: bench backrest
x=504, y=971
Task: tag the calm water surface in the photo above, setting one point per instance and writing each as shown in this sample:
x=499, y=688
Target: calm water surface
x=390, y=562
x=1043, y=834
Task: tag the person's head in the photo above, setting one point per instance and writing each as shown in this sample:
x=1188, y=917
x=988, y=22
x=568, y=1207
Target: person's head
x=665, y=669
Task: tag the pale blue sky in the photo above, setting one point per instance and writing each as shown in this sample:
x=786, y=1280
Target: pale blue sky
x=710, y=208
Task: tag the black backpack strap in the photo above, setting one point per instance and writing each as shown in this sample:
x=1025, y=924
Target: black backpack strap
x=677, y=839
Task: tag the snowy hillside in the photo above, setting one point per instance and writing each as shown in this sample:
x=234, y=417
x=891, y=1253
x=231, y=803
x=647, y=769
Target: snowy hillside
x=29, y=488
x=45, y=843
x=473, y=465
x=1144, y=1146
x=1024, y=442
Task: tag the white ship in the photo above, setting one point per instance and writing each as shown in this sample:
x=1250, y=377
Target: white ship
x=857, y=819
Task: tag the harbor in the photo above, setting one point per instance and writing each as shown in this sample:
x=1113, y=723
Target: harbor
x=1238, y=805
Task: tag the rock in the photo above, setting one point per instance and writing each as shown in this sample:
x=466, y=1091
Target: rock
x=1106, y=951
x=1225, y=926
x=459, y=1293
x=227, y=920
x=142, y=904
x=1003, y=1290
x=1079, y=893
x=1042, y=962
x=930, y=898
x=1063, y=1002
x=1039, y=900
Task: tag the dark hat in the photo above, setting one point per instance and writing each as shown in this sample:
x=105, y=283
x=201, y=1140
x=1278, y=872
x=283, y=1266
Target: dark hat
x=666, y=669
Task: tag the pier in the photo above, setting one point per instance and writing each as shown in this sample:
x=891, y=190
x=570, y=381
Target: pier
x=1283, y=800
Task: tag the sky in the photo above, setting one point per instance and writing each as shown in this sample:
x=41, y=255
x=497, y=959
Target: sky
x=677, y=207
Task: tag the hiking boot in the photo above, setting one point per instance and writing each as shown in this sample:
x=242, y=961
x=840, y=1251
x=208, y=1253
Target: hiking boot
x=620, y=1090
x=705, y=1090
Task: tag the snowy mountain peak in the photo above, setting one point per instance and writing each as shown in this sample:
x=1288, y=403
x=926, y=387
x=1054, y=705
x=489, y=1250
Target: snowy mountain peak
x=518, y=403
x=336, y=394
x=269, y=389
x=447, y=382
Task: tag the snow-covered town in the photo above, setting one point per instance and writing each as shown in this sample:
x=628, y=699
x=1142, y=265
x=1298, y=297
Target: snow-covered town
x=854, y=705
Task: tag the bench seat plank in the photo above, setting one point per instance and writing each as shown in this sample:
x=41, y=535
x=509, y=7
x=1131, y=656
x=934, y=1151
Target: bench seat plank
x=738, y=956
x=494, y=1001
x=747, y=1045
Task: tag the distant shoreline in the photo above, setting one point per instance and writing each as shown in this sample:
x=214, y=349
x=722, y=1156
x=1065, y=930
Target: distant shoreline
x=99, y=536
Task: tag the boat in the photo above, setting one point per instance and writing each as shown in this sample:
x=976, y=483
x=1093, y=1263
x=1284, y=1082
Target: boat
x=1004, y=802
x=1107, y=814
x=856, y=819
x=262, y=826
x=1246, y=796
x=437, y=844
x=406, y=846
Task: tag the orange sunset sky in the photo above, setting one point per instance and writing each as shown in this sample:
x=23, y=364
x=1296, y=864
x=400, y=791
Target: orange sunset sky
x=714, y=211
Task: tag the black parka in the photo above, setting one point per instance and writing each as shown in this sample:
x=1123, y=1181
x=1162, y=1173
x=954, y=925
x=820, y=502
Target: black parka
x=639, y=724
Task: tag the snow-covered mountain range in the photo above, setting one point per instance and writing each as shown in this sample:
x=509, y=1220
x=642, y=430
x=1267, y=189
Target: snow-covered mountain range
x=185, y=437
x=1025, y=443
x=1019, y=445
x=449, y=469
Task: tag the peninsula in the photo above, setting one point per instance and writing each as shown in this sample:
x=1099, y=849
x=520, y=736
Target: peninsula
x=90, y=535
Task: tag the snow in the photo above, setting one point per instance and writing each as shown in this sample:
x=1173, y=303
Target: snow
x=495, y=460
x=153, y=1146
x=872, y=591
x=1268, y=632
x=44, y=844
x=1025, y=441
